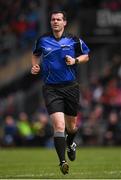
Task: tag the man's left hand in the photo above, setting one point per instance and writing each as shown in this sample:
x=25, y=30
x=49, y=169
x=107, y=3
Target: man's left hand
x=70, y=60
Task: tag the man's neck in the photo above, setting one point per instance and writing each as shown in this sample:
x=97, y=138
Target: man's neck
x=57, y=34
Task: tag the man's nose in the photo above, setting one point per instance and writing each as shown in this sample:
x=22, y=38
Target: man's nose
x=55, y=20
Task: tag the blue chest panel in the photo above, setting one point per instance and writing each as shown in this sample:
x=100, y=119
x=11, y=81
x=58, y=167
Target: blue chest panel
x=55, y=69
x=63, y=47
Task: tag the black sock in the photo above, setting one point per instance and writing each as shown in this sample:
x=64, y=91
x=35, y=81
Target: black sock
x=60, y=146
x=70, y=137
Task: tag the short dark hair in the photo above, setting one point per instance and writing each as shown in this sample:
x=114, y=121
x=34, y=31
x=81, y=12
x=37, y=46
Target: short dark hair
x=59, y=11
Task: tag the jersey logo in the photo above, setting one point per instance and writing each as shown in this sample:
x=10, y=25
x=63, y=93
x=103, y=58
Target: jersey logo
x=48, y=49
x=66, y=47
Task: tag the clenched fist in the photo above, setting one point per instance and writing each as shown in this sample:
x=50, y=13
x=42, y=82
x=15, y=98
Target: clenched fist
x=70, y=60
x=35, y=69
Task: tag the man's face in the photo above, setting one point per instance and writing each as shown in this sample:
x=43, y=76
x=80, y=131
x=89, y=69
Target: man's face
x=57, y=22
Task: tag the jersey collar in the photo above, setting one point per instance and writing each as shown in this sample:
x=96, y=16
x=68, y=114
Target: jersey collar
x=58, y=39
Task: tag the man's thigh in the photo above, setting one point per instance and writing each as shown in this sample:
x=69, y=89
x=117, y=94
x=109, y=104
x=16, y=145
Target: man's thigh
x=54, y=102
x=71, y=100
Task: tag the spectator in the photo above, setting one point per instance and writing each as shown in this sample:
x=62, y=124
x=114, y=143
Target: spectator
x=113, y=131
x=43, y=131
x=92, y=128
x=25, y=130
x=9, y=132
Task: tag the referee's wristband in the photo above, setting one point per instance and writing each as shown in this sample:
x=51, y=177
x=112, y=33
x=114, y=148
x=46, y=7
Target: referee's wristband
x=76, y=61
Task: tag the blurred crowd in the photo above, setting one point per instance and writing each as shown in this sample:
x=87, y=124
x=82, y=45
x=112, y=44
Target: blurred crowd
x=25, y=132
x=19, y=21
x=99, y=117
x=100, y=106
x=23, y=117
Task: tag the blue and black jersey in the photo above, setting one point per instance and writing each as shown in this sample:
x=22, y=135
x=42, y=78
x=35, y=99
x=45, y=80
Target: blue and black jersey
x=53, y=66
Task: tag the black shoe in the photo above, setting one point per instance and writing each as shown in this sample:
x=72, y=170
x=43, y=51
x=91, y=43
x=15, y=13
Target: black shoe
x=64, y=167
x=71, y=151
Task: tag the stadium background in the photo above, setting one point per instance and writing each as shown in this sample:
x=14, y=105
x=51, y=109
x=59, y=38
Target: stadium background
x=23, y=117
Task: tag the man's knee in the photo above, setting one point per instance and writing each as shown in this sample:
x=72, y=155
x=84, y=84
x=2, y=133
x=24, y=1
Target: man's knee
x=58, y=122
x=59, y=128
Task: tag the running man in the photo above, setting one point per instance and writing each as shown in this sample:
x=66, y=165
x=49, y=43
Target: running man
x=61, y=53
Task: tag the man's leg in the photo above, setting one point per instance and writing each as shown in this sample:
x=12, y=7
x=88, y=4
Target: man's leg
x=59, y=139
x=71, y=131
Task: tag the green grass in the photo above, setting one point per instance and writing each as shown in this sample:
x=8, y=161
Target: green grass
x=91, y=163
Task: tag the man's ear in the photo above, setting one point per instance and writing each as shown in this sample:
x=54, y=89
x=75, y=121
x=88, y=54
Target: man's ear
x=65, y=23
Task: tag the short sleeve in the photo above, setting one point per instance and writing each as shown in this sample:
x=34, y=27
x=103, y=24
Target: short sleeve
x=80, y=47
x=37, y=50
x=84, y=48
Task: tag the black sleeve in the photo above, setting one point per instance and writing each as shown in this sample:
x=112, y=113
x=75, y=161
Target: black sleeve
x=77, y=47
x=37, y=50
x=80, y=47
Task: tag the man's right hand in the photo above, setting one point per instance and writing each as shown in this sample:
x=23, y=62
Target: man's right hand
x=35, y=69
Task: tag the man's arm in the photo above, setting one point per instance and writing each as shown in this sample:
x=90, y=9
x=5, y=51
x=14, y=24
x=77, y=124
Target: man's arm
x=35, y=64
x=80, y=59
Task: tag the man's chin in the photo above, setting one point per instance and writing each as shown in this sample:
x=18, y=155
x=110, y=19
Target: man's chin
x=56, y=30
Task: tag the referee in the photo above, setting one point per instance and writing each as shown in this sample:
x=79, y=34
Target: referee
x=61, y=53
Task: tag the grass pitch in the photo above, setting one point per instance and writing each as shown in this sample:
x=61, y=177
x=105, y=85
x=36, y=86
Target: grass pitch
x=91, y=163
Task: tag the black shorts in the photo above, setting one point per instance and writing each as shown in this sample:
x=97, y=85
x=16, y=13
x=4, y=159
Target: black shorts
x=62, y=98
